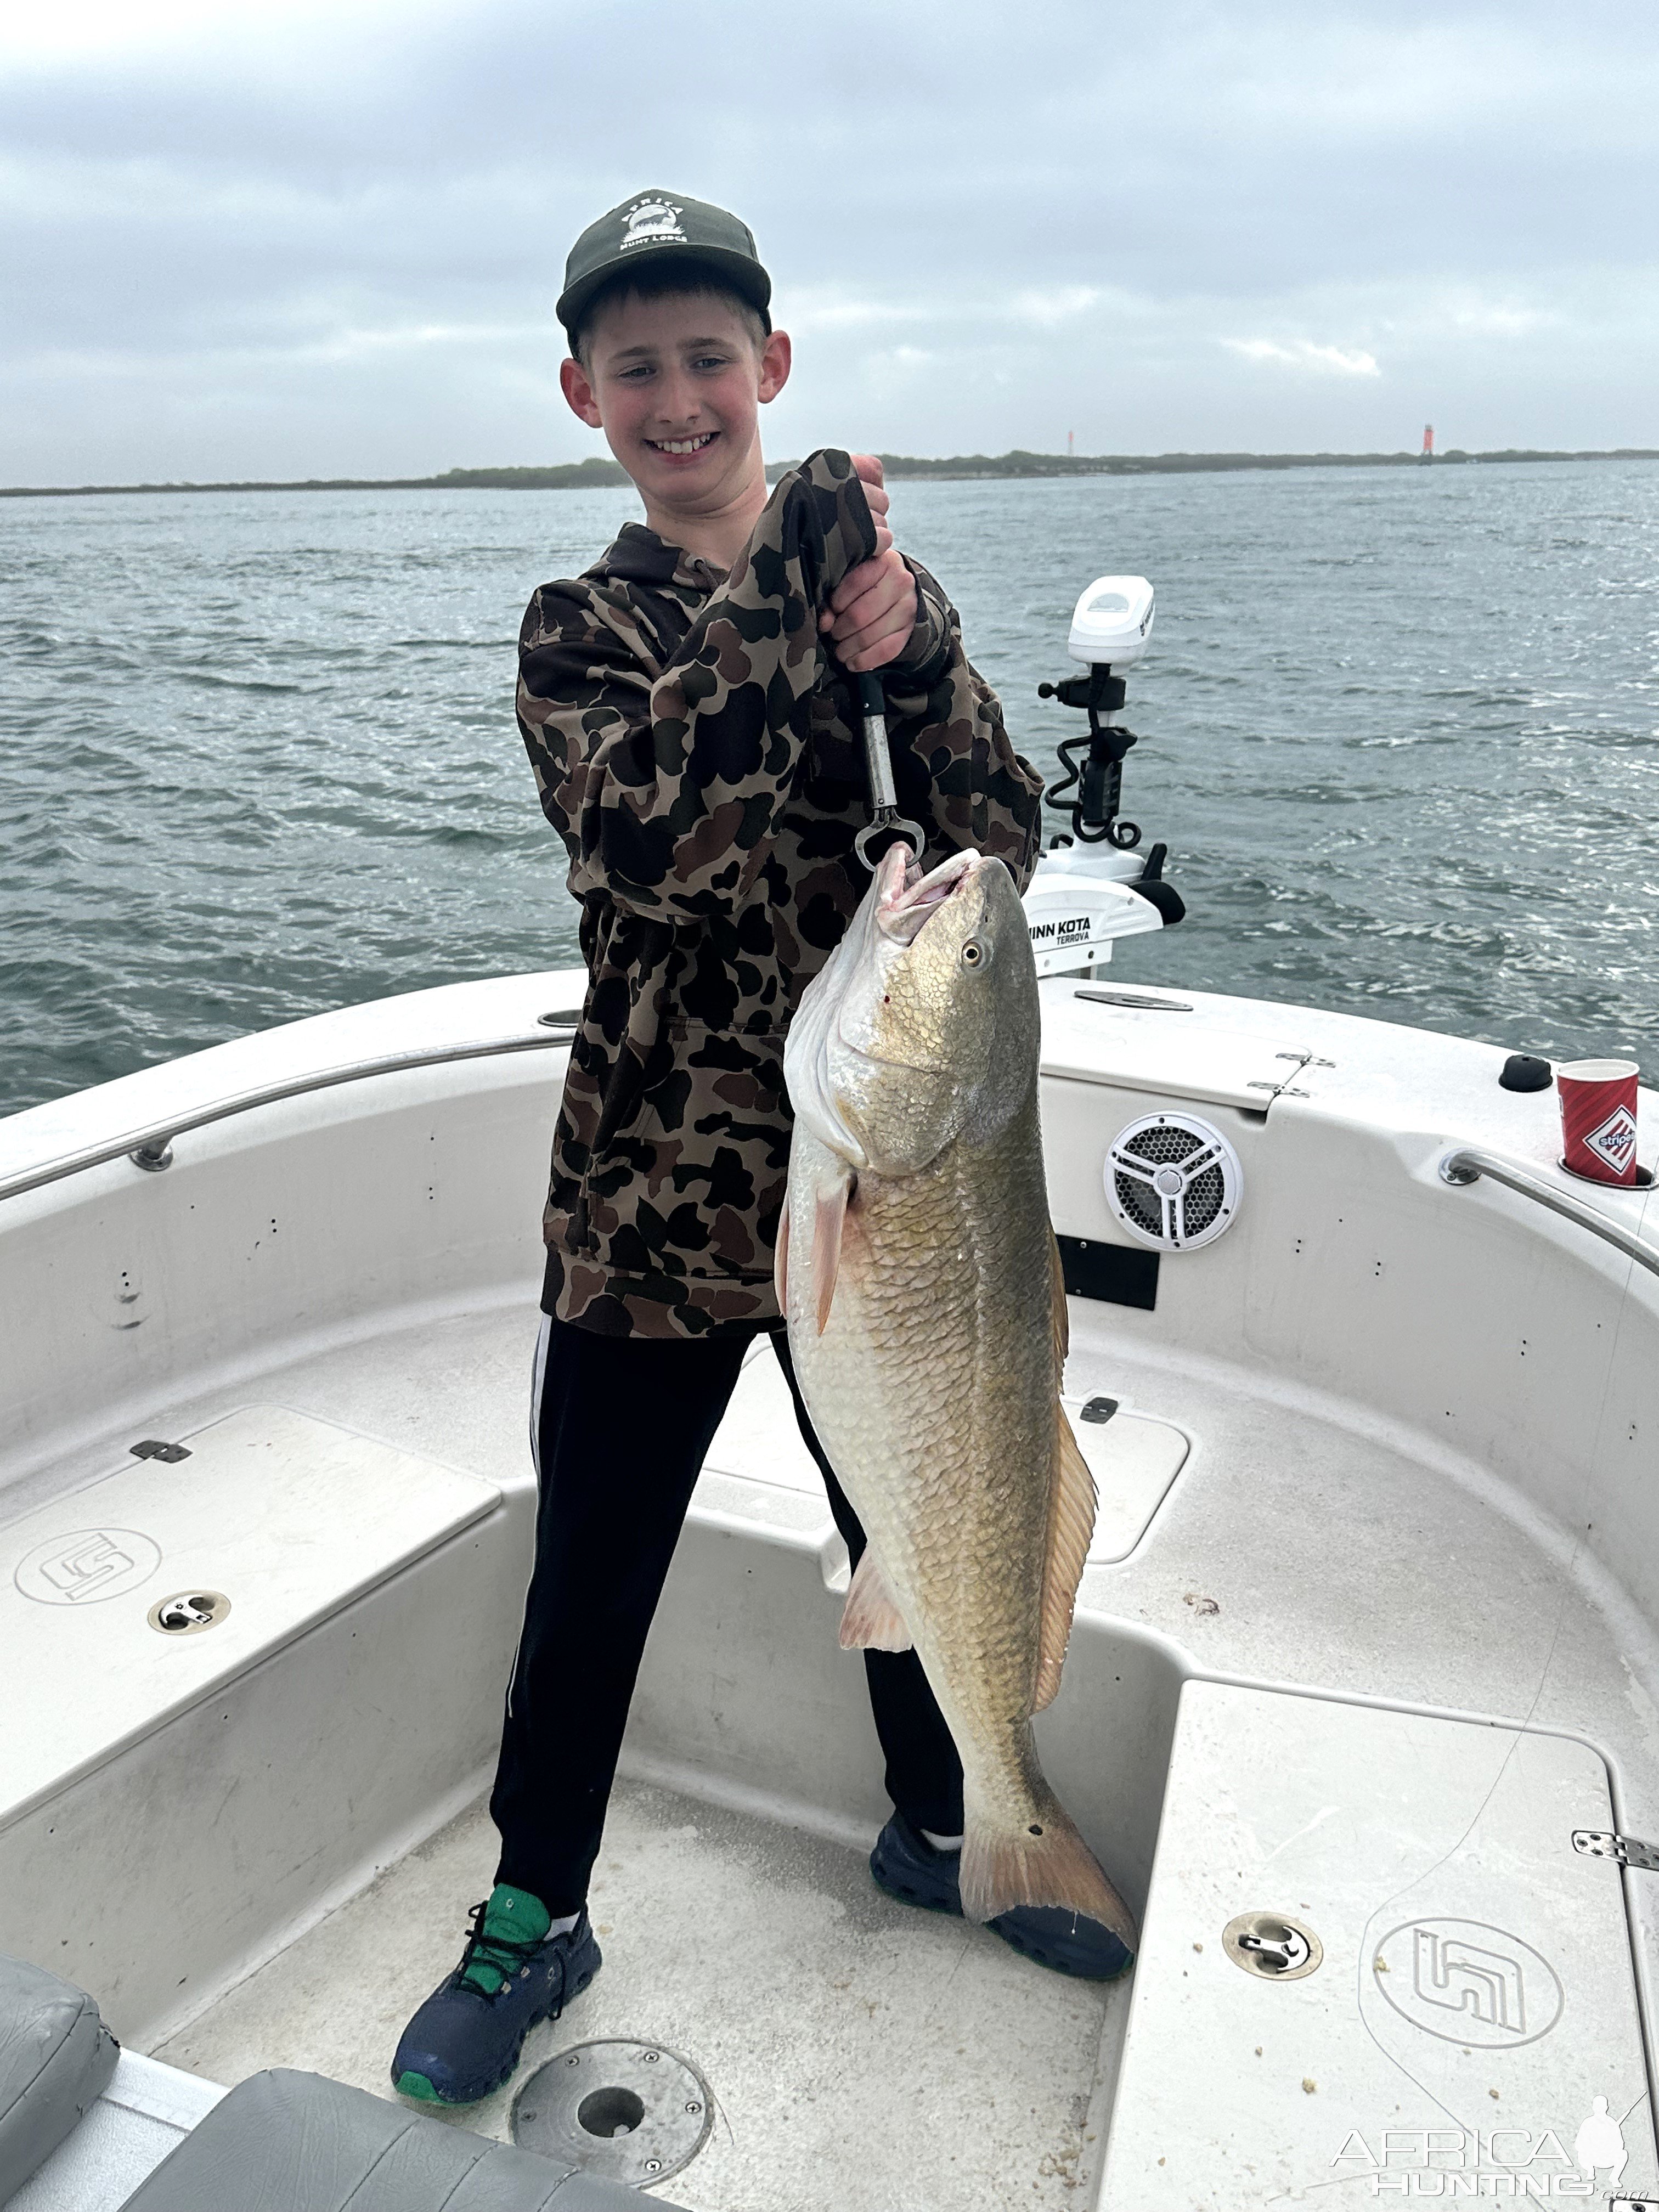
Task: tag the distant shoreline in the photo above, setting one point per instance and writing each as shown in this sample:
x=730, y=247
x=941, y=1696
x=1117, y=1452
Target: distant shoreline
x=597, y=475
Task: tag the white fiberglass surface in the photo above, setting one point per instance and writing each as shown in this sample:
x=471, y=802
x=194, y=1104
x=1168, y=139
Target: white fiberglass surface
x=1474, y=2005
x=142, y=2115
x=1383, y=1442
x=1457, y=1997
x=137, y=1596
x=857, y=2051
x=757, y=1463
x=1295, y=1543
x=1332, y=1550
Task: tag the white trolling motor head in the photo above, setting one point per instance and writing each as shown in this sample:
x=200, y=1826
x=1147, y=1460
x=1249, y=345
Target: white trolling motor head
x=1112, y=622
x=1093, y=887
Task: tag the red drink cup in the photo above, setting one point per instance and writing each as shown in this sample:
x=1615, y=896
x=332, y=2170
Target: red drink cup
x=1598, y=1119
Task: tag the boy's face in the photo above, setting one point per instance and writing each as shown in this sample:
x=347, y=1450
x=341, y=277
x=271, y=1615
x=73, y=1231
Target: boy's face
x=677, y=385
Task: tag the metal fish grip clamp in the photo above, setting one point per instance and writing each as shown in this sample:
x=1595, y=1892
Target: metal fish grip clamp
x=884, y=817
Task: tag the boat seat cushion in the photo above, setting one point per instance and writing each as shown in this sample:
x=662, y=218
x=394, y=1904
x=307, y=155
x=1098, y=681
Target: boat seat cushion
x=56, y=2056
x=284, y=2142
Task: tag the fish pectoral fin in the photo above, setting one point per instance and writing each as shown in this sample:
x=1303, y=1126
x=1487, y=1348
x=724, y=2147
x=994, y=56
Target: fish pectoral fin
x=871, y=1620
x=1072, y=1501
x=829, y=1219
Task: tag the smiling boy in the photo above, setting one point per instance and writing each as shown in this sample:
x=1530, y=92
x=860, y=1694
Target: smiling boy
x=687, y=709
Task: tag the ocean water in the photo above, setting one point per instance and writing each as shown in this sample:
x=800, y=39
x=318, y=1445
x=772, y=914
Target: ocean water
x=1400, y=730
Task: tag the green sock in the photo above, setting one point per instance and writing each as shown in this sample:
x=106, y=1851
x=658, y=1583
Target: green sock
x=515, y=1915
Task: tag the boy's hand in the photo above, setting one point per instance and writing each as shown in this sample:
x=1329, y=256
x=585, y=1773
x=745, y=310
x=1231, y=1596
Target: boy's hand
x=872, y=610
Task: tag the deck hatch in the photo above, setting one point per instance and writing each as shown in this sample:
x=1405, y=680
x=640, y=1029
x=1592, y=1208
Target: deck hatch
x=1475, y=2017
x=759, y=1471
x=293, y=1516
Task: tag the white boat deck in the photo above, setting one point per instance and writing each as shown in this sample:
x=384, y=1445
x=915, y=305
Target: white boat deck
x=850, y=2043
x=845, y=2037
x=1290, y=1548
x=1368, y=1620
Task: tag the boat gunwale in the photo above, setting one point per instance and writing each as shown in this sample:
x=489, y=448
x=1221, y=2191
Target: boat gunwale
x=149, y=1145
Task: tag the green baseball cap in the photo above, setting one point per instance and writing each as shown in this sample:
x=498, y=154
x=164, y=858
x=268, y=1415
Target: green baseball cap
x=648, y=227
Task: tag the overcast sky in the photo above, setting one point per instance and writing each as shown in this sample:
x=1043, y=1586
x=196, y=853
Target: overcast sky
x=277, y=239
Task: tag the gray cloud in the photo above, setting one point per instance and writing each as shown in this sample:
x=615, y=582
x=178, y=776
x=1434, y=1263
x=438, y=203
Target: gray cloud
x=311, y=243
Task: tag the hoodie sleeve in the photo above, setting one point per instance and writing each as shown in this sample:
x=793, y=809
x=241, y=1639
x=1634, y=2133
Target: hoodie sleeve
x=954, y=766
x=667, y=788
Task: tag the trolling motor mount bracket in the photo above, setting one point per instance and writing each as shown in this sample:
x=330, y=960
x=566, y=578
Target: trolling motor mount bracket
x=1097, y=777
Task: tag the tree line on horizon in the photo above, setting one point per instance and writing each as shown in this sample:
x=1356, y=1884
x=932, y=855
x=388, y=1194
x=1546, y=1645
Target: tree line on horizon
x=596, y=474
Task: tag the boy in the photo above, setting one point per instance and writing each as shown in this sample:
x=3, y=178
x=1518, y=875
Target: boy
x=696, y=741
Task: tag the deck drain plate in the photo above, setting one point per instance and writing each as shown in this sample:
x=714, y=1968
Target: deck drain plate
x=633, y=2113
x=1273, y=1946
x=187, y=1613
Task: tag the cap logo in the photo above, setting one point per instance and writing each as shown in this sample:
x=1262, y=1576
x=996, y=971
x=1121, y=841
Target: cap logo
x=649, y=222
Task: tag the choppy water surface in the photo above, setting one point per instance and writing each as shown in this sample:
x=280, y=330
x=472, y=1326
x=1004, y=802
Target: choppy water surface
x=1400, y=731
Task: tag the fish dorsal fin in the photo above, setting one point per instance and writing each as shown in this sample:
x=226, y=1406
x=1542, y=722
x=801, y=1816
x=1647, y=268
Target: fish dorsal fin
x=1070, y=1523
x=1072, y=1501
x=829, y=1218
x=1062, y=1315
x=871, y=1620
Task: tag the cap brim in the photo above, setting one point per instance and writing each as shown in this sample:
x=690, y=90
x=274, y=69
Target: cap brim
x=744, y=276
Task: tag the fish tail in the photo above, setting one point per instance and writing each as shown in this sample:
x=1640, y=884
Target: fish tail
x=1046, y=1863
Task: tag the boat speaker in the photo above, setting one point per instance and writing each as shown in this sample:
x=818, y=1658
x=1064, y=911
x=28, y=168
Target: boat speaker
x=1173, y=1180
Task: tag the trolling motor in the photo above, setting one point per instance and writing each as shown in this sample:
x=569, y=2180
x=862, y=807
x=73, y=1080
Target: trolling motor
x=1082, y=897
x=1110, y=626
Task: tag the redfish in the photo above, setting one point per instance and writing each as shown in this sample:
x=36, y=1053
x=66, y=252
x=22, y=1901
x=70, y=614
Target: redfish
x=920, y=1282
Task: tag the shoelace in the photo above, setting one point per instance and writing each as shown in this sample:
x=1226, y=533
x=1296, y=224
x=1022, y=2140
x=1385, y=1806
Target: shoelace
x=505, y=1954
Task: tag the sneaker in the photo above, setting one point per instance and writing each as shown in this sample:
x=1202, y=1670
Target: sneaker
x=907, y=1866
x=465, y=2040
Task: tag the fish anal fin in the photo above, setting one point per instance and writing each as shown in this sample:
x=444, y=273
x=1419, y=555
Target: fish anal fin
x=829, y=1218
x=871, y=1620
x=1002, y=1871
x=1072, y=1501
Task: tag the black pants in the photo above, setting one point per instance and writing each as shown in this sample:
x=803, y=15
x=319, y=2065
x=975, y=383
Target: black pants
x=620, y=1427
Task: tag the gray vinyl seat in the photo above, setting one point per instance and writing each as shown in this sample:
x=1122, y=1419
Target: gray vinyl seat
x=56, y=2058
x=284, y=2142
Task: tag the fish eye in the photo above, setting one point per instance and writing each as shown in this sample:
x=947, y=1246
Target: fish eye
x=972, y=953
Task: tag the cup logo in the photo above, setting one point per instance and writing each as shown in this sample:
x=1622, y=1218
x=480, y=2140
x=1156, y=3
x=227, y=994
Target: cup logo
x=1615, y=1140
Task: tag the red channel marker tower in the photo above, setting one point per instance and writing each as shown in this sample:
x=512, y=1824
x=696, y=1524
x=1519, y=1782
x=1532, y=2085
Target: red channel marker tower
x=1428, y=441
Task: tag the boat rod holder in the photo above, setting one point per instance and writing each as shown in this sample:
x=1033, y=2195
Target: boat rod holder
x=884, y=816
x=1097, y=778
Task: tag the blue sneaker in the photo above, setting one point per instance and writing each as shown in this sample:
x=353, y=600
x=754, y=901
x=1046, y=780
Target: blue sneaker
x=906, y=1865
x=465, y=2039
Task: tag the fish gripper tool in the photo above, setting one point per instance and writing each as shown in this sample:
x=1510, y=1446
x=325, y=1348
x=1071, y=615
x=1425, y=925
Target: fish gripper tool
x=884, y=816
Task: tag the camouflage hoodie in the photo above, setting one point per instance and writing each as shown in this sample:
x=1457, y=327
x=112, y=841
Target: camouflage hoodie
x=700, y=753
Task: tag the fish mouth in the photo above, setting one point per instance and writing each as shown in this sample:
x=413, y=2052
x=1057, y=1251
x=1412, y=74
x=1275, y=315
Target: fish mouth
x=908, y=899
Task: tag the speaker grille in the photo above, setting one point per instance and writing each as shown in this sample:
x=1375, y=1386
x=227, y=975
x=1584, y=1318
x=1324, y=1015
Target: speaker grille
x=1174, y=1180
